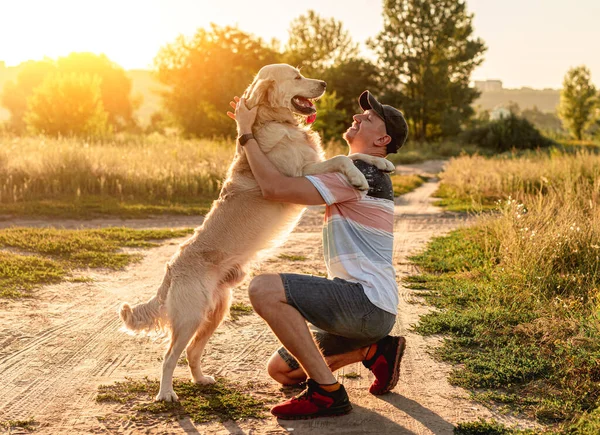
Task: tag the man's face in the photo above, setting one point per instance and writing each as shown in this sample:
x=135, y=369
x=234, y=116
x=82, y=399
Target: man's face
x=366, y=129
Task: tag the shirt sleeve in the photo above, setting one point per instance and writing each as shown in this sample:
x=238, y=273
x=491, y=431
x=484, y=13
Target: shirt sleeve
x=335, y=188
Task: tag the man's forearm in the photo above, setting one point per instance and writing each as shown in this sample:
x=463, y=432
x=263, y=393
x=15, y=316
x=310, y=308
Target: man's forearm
x=266, y=174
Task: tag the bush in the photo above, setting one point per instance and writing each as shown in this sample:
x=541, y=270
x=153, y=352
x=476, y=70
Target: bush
x=507, y=133
x=331, y=122
x=67, y=105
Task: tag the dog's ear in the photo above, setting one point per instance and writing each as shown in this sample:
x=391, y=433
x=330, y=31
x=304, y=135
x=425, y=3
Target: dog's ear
x=259, y=92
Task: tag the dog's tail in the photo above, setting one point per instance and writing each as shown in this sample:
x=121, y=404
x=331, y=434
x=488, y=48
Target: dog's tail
x=150, y=315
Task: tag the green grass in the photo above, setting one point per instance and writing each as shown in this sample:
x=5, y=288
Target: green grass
x=511, y=344
x=95, y=206
x=28, y=424
x=483, y=427
x=222, y=401
x=21, y=273
x=239, y=309
x=289, y=257
x=47, y=255
x=351, y=375
x=406, y=183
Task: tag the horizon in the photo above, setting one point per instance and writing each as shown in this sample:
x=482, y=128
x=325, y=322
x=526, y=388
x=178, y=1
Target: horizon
x=543, y=60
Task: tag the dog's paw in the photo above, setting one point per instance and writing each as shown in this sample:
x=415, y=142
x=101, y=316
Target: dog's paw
x=359, y=181
x=385, y=165
x=166, y=396
x=205, y=380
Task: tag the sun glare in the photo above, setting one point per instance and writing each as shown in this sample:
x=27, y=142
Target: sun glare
x=128, y=32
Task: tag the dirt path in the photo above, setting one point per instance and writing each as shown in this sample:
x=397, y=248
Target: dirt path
x=56, y=349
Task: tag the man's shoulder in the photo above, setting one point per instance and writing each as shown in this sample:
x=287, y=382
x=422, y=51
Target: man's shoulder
x=380, y=183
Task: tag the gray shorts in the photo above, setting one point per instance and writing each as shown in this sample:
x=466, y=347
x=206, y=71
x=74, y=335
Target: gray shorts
x=343, y=318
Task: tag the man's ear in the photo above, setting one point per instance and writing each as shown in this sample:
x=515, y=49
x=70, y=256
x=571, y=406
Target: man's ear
x=258, y=92
x=382, y=141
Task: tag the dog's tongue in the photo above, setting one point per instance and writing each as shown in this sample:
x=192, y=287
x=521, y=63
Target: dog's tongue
x=311, y=118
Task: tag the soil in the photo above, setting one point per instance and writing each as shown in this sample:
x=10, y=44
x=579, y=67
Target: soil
x=56, y=348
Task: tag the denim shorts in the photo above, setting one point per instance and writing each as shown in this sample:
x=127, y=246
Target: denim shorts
x=342, y=318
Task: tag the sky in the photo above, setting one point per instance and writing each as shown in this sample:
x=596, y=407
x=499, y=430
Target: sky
x=530, y=42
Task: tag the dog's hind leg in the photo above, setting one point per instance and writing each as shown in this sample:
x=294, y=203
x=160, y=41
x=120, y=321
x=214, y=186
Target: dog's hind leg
x=203, y=334
x=180, y=337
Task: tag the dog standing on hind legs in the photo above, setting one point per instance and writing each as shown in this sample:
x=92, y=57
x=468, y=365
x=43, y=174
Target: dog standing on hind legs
x=195, y=293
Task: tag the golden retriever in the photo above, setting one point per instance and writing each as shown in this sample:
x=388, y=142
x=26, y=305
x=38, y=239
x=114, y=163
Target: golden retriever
x=195, y=294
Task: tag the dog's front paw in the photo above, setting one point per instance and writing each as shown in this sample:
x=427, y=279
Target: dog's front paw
x=166, y=396
x=385, y=165
x=358, y=180
x=205, y=380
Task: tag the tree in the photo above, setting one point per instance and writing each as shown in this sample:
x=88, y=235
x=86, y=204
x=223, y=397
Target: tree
x=428, y=53
x=331, y=121
x=204, y=72
x=349, y=79
x=316, y=43
x=67, y=105
x=15, y=94
x=325, y=51
x=577, y=101
x=115, y=86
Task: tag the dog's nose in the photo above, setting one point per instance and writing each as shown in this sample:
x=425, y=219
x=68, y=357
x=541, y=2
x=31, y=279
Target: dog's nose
x=324, y=84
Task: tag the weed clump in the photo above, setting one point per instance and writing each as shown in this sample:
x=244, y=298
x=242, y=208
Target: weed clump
x=202, y=403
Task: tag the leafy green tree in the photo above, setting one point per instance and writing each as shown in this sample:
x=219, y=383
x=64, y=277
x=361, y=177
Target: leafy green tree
x=204, y=72
x=67, y=105
x=316, y=43
x=15, y=93
x=325, y=51
x=115, y=86
x=428, y=53
x=331, y=121
x=349, y=79
x=578, y=101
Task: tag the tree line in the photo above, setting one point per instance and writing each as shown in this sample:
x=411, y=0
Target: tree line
x=425, y=54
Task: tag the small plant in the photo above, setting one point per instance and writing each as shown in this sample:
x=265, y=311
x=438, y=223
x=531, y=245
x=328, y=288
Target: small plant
x=28, y=424
x=351, y=375
x=239, y=309
x=290, y=257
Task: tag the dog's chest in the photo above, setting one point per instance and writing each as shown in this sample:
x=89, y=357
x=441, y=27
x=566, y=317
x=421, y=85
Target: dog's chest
x=289, y=149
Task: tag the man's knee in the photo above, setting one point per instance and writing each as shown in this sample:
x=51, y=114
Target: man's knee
x=264, y=290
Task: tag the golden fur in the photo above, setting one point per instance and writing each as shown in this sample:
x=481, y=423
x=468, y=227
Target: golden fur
x=195, y=293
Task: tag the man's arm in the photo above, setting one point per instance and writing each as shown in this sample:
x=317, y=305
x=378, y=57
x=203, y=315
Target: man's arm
x=276, y=186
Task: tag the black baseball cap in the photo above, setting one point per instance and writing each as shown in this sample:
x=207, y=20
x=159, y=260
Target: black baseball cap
x=395, y=124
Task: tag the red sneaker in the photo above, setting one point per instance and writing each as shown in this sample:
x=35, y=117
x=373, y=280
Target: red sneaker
x=385, y=364
x=314, y=402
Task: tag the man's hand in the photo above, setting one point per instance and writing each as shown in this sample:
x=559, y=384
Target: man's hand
x=243, y=116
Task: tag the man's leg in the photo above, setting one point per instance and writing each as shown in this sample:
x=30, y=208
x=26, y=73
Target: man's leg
x=268, y=299
x=280, y=370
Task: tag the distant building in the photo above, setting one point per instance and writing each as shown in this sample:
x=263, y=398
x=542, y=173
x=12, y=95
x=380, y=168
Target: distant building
x=488, y=85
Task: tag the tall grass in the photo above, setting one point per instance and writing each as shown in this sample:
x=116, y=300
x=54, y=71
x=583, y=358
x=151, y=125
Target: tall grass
x=482, y=180
x=520, y=291
x=155, y=169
